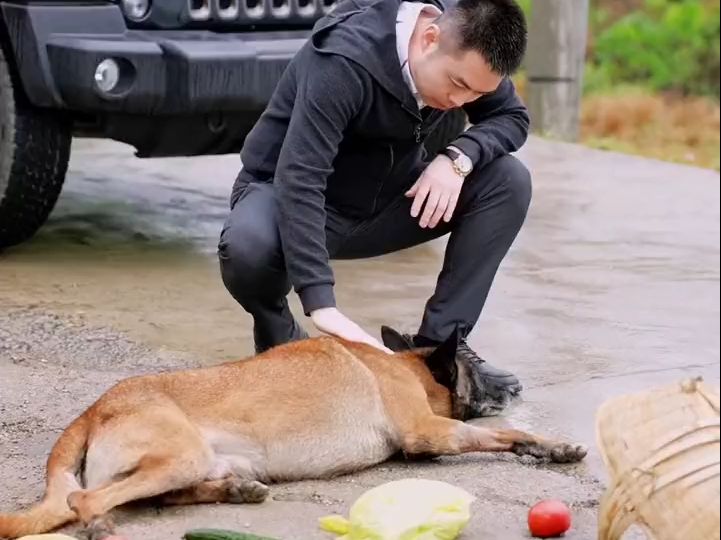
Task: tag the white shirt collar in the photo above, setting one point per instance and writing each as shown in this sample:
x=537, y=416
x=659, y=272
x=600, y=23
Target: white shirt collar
x=408, y=14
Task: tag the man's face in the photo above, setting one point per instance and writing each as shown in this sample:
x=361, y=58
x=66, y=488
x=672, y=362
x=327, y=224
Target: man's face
x=445, y=77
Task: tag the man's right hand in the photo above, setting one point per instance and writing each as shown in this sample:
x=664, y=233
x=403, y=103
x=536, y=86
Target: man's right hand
x=333, y=322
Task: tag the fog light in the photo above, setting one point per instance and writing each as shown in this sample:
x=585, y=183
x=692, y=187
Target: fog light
x=107, y=75
x=136, y=10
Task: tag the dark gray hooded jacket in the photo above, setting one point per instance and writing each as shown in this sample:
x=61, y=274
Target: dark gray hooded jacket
x=343, y=129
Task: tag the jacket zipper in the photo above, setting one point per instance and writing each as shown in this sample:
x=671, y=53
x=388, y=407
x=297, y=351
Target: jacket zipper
x=418, y=122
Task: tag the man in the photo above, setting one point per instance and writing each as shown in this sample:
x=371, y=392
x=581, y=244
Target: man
x=335, y=167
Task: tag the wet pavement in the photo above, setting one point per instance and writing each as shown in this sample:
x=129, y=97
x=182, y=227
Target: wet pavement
x=612, y=287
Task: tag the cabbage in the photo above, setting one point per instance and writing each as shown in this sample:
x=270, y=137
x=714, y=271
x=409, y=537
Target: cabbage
x=411, y=509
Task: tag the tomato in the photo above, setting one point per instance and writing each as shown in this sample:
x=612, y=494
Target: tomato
x=549, y=519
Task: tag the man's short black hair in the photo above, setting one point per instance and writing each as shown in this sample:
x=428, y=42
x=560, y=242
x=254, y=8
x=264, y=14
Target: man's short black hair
x=495, y=28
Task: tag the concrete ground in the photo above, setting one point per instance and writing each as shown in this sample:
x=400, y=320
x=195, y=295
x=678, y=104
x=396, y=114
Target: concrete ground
x=612, y=287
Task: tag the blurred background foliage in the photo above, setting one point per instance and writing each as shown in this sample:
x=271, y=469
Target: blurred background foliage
x=651, y=81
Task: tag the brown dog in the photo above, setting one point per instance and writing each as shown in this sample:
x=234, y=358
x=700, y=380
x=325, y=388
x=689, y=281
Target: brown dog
x=309, y=409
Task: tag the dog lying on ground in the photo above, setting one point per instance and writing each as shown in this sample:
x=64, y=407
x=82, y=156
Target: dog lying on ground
x=310, y=409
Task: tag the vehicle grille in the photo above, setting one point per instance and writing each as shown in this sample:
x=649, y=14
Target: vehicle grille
x=258, y=11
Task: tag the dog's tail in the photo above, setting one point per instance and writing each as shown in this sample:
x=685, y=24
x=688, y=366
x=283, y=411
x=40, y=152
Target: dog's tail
x=63, y=464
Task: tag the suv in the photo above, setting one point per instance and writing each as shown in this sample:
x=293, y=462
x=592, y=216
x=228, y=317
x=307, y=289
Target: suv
x=171, y=78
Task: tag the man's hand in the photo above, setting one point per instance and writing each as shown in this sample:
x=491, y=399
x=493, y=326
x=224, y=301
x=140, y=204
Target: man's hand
x=441, y=185
x=333, y=322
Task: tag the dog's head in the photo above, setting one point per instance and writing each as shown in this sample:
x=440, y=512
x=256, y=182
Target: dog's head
x=448, y=370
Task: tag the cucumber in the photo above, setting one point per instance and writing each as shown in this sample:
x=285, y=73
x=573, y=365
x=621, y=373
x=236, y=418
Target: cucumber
x=220, y=534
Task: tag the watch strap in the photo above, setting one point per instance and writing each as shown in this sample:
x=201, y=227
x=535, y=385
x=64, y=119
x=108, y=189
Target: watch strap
x=450, y=152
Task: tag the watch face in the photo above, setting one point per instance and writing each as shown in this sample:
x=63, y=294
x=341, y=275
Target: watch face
x=465, y=164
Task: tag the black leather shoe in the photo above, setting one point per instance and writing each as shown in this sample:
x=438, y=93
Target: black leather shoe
x=490, y=374
x=478, y=388
x=491, y=389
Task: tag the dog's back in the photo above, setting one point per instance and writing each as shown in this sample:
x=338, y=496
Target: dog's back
x=309, y=409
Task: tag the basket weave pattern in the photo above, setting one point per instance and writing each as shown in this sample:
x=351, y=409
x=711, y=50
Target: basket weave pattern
x=661, y=449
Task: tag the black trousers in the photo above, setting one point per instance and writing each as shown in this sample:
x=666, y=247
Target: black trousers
x=491, y=210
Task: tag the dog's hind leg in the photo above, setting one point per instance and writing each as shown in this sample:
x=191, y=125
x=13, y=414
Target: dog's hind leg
x=232, y=489
x=139, y=456
x=436, y=435
x=154, y=475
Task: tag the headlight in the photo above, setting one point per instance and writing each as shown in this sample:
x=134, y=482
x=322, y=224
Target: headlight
x=107, y=75
x=136, y=10
x=114, y=77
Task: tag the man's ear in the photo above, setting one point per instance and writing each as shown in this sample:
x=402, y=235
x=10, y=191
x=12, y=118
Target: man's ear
x=442, y=361
x=431, y=36
x=394, y=340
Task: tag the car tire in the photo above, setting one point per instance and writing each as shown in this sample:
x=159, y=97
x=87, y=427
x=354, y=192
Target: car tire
x=34, y=154
x=452, y=125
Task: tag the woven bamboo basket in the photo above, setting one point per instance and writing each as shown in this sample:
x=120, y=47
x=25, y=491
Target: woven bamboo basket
x=661, y=449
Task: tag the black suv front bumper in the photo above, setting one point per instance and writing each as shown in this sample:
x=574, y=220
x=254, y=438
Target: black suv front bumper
x=58, y=48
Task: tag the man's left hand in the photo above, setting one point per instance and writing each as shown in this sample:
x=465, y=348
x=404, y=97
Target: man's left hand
x=441, y=186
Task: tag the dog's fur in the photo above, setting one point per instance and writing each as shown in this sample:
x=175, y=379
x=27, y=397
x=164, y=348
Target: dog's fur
x=308, y=409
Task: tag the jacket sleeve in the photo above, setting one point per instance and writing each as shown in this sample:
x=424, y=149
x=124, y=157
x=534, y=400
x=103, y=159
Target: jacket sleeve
x=499, y=125
x=329, y=95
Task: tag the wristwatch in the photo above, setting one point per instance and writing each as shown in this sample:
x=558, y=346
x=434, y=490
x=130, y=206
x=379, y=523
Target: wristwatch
x=461, y=162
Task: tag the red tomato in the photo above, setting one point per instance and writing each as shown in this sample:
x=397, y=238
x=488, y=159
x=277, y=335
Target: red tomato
x=549, y=519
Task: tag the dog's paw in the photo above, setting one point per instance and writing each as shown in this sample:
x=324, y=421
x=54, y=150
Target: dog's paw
x=568, y=453
x=553, y=452
x=247, y=491
x=100, y=528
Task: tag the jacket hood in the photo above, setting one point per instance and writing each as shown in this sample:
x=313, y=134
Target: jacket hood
x=364, y=31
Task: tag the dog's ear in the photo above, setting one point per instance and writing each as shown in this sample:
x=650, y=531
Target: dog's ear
x=446, y=351
x=394, y=340
x=442, y=361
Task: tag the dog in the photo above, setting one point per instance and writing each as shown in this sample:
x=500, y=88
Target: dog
x=310, y=409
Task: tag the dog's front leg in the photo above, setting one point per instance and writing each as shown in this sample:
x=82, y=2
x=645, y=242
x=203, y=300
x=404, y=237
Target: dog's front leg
x=436, y=435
